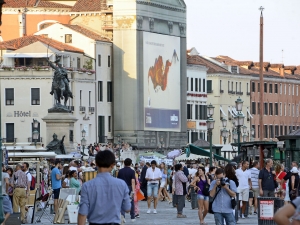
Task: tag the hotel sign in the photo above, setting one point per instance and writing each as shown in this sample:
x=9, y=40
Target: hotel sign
x=22, y=114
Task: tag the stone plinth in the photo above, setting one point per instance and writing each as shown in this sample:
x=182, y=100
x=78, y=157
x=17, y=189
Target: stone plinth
x=61, y=124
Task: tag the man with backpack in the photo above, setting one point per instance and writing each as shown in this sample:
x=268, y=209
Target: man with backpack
x=30, y=178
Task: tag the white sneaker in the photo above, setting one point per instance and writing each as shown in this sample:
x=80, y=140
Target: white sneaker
x=154, y=211
x=148, y=211
x=132, y=220
x=243, y=217
x=250, y=210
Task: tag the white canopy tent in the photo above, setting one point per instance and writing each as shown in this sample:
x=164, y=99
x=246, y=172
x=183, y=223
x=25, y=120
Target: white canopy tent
x=191, y=157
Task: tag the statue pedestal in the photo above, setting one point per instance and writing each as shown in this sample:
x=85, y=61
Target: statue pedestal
x=61, y=124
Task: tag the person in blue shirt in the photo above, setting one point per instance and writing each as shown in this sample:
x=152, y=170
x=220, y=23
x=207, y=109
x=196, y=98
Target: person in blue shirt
x=104, y=197
x=56, y=183
x=223, y=190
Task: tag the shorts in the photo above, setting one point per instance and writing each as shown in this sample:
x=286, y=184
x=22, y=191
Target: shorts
x=152, y=190
x=244, y=194
x=203, y=197
x=7, y=207
x=250, y=194
x=255, y=192
x=162, y=184
x=56, y=193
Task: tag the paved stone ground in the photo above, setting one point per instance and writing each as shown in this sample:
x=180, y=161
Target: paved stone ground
x=166, y=215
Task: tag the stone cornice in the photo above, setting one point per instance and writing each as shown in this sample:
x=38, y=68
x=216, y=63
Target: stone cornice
x=196, y=67
x=160, y=5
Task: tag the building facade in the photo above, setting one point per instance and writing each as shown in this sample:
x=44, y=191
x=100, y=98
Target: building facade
x=26, y=81
x=150, y=73
x=196, y=97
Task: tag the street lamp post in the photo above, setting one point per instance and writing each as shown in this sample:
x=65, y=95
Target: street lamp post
x=83, y=141
x=210, y=126
x=35, y=133
x=224, y=131
x=239, y=120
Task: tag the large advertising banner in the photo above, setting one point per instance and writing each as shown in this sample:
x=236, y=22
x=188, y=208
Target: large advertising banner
x=161, y=82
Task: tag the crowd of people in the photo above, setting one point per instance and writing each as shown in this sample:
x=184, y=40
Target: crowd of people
x=215, y=187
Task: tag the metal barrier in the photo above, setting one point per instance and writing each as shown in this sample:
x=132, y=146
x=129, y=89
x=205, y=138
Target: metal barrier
x=267, y=207
x=194, y=200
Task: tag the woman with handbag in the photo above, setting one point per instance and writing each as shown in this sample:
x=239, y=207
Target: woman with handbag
x=294, y=183
x=280, y=174
x=201, y=184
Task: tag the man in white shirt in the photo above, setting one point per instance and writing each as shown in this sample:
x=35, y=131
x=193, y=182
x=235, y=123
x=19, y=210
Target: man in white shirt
x=153, y=175
x=255, y=187
x=25, y=169
x=207, y=168
x=244, y=177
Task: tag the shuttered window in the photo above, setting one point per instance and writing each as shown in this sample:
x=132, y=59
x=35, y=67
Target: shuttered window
x=9, y=96
x=10, y=132
x=35, y=96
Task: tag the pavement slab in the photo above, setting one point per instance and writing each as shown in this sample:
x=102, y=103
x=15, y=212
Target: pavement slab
x=166, y=215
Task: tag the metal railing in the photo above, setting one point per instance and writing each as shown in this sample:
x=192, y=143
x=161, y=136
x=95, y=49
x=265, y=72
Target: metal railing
x=91, y=109
x=71, y=108
x=82, y=108
x=221, y=91
x=210, y=91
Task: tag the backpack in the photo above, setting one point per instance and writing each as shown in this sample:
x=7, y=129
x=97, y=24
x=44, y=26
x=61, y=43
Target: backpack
x=32, y=185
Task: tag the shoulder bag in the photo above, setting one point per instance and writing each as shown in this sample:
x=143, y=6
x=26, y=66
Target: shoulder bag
x=294, y=193
x=211, y=203
x=205, y=190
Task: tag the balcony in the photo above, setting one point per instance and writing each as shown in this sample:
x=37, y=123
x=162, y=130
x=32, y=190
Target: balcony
x=248, y=93
x=9, y=140
x=221, y=91
x=229, y=92
x=82, y=109
x=71, y=108
x=233, y=92
x=91, y=110
x=239, y=93
x=210, y=91
x=40, y=140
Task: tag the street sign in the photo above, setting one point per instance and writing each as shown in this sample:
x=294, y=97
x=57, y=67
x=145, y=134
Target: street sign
x=266, y=209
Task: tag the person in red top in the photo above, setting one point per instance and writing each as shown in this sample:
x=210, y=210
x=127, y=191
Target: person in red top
x=280, y=174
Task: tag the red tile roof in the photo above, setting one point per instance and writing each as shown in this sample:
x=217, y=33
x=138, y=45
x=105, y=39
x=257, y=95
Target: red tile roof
x=88, y=33
x=33, y=3
x=272, y=69
x=89, y=6
x=212, y=67
x=27, y=40
x=5, y=46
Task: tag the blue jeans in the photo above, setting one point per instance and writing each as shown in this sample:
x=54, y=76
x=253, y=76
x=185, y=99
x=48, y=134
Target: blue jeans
x=229, y=218
x=152, y=190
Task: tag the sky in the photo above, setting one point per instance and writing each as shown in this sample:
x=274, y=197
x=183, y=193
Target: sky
x=231, y=28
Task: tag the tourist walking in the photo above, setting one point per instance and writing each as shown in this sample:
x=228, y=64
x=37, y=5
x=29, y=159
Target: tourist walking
x=201, y=185
x=56, y=178
x=162, y=192
x=293, y=183
x=280, y=191
x=66, y=182
x=153, y=176
x=6, y=203
x=103, y=189
x=179, y=189
x=255, y=187
x=211, y=173
x=288, y=213
x=223, y=190
x=244, y=177
x=266, y=180
x=10, y=191
x=128, y=175
x=143, y=181
x=25, y=169
x=20, y=192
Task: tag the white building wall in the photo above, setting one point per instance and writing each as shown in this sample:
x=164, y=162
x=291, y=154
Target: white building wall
x=103, y=74
x=58, y=31
x=196, y=96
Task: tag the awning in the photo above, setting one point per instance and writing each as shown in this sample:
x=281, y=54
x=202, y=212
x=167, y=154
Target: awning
x=203, y=152
x=222, y=111
x=229, y=110
x=26, y=55
x=32, y=155
x=191, y=157
x=249, y=113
